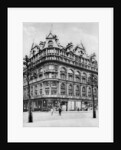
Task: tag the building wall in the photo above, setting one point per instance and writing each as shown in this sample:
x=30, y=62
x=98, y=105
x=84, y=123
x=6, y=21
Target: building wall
x=38, y=86
x=76, y=69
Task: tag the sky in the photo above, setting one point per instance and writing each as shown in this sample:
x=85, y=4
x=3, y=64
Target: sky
x=87, y=33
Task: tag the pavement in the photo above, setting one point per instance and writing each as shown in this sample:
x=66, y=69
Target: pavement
x=67, y=119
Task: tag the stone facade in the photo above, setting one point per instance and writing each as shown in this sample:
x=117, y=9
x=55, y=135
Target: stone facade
x=61, y=77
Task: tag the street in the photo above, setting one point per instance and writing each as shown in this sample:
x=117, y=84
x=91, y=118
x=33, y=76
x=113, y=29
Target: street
x=67, y=119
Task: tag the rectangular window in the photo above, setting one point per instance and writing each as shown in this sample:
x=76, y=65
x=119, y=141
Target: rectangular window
x=40, y=91
x=47, y=91
x=53, y=91
x=36, y=90
x=54, y=83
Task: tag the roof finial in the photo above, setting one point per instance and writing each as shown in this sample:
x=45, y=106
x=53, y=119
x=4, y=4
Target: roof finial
x=51, y=28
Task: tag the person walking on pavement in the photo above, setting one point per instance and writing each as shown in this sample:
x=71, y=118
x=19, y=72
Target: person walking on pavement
x=52, y=110
x=60, y=111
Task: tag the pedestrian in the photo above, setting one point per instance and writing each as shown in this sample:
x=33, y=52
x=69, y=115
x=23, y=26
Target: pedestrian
x=52, y=110
x=60, y=111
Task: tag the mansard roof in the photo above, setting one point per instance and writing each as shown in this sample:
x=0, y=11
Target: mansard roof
x=78, y=50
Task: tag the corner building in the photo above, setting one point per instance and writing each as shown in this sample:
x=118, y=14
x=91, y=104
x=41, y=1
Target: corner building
x=61, y=77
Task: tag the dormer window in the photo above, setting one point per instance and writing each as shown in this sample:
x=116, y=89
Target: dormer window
x=50, y=43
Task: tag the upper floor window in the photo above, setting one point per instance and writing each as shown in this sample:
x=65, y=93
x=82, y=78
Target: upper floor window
x=46, y=75
x=95, y=92
x=63, y=89
x=70, y=90
x=63, y=73
x=50, y=43
x=54, y=83
x=47, y=91
x=40, y=88
x=53, y=91
x=83, y=91
x=89, y=92
x=35, y=89
x=77, y=90
x=54, y=75
x=46, y=83
x=40, y=73
x=70, y=75
x=84, y=78
x=77, y=76
x=51, y=67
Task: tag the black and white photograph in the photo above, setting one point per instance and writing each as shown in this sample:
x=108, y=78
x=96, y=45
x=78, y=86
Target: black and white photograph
x=60, y=74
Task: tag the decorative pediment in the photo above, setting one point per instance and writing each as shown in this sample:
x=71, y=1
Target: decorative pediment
x=50, y=36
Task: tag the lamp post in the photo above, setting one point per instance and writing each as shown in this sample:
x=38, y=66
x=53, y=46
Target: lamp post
x=94, y=111
x=28, y=73
x=92, y=83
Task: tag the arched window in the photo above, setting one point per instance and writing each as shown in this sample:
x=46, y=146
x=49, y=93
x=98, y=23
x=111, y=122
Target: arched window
x=70, y=75
x=63, y=73
x=83, y=91
x=89, y=92
x=63, y=89
x=51, y=67
x=70, y=90
x=35, y=90
x=40, y=73
x=95, y=80
x=95, y=92
x=77, y=90
x=50, y=43
x=77, y=76
x=84, y=78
